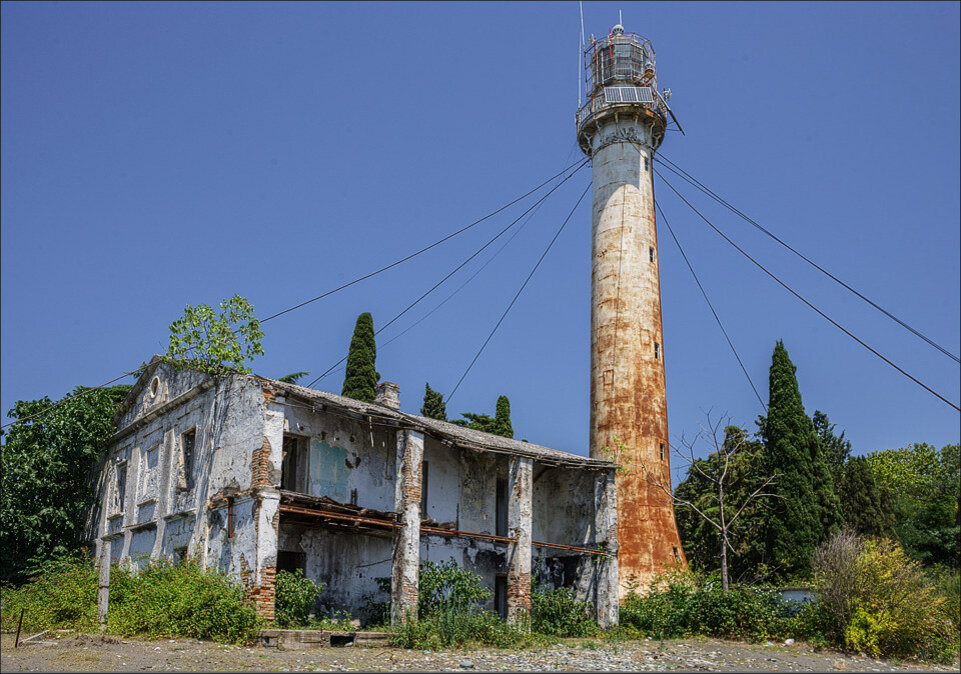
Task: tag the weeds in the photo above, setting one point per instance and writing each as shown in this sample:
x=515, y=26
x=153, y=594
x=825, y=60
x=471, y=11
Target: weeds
x=294, y=596
x=161, y=600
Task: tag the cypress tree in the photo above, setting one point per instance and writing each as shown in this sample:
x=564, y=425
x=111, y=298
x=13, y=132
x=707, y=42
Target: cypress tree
x=502, y=418
x=361, y=377
x=866, y=507
x=434, y=406
x=808, y=510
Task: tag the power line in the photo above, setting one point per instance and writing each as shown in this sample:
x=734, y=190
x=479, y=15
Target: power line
x=790, y=290
x=684, y=175
x=519, y=291
x=463, y=285
x=579, y=165
x=711, y=306
x=426, y=248
x=458, y=267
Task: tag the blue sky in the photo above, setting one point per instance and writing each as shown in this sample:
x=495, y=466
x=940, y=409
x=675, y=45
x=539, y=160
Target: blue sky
x=156, y=155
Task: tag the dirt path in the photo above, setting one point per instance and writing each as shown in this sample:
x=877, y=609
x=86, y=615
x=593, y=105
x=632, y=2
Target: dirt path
x=91, y=653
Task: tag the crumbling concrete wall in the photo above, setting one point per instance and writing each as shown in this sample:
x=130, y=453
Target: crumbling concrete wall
x=150, y=504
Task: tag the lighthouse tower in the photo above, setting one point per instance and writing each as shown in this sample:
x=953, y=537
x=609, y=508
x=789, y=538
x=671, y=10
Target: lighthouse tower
x=619, y=128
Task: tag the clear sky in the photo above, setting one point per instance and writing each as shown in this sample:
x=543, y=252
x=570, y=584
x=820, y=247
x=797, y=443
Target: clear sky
x=156, y=155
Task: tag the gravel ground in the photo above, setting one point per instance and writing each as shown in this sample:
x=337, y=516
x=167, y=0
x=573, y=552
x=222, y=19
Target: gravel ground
x=110, y=654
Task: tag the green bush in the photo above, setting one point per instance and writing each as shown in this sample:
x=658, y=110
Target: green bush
x=161, y=600
x=682, y=604
x=450, y=628
x=293, y=597
x=558, y=613
x=448, y=586
x=874, y=599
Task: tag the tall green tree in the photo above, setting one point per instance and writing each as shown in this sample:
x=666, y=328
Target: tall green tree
x=866, y=506
x=808, y=511
x=360, y=380
x=434, y=406
x=502, y=418
x=834, y=448
x=926, y=486
x=45, y=463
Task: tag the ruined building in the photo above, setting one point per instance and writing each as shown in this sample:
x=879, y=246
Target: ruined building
x=251, y=475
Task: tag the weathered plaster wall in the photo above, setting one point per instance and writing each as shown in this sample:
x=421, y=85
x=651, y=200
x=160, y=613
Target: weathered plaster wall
x=146, y=503
x=347, y=459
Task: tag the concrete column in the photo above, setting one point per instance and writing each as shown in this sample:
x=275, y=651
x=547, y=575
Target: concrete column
x=519, y=523
x=103, y=592
x=405, y=563
x=605, y=535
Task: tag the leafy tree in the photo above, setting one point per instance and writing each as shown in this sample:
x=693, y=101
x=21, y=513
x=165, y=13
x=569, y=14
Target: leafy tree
x=808, y=511
x=361, y=377
x=500, y=424
x=722, y=490
x=434, y=406
x=293, y=377
x=866, y=507
x=502, y=418
x=835, y=449
x=925, y=483
x=216, y=343
x=45, y=463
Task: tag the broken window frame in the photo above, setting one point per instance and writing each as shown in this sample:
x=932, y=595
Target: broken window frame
x=185, y=470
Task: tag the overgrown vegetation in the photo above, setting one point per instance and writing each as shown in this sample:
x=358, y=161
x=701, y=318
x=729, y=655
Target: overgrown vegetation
x=216, y=343
x=294, y=595
x=684, y=604
x=874, y=599
x=558, y=613
x=450, y=614
x=160, y=600
x=45, y=462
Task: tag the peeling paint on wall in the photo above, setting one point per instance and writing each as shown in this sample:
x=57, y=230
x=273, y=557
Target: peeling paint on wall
x=329, y=471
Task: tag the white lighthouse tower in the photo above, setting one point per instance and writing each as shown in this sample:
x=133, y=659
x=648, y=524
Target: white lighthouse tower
x=619, y=128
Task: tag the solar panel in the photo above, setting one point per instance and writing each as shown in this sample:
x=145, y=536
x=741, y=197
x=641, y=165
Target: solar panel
x=628, y=95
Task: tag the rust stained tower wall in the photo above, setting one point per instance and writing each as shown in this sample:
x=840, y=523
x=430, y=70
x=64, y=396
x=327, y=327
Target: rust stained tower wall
x=628, y=392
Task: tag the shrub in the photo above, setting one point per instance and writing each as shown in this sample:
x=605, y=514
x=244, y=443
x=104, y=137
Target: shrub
x=162, y=599
x=448, y=586
x=558, y=613
x=682, y=604
x=294, y=595
x=184, y=600
x=874, y=599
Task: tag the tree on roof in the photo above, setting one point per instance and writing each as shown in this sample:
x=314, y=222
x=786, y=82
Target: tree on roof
x=216, y=343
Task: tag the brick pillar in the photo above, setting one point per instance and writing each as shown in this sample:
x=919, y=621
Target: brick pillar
x=605, y=535
x=519, y=522
x=405, y=563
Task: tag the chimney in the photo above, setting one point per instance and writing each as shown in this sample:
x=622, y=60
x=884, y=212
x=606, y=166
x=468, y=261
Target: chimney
x=388, y=394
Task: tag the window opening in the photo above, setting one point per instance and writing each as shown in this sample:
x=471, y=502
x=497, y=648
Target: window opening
x=353, y=497
x=293, y=469
x=500, y=595
x=647, y=166
x=657, y=350
x=188, y=441
x=230, y=517
x=650, y=251
x=121, y=486
x=423, y=489
x=662, y=451
x=500, y=514
x=180, y=555
x=290, y=561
